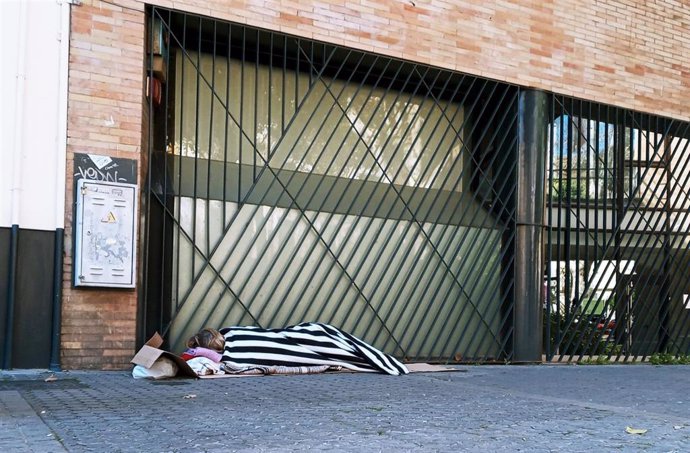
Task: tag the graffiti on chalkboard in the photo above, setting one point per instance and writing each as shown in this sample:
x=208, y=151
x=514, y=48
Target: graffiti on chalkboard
x=103, y=168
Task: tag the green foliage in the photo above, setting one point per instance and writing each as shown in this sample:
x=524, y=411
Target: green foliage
x=612, y=349
x=568, y=189
x=660, y=358
x=578, y=338
x=594, y=306
x=665, y=358
x=600, y=360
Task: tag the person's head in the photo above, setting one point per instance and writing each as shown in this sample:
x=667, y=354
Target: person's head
x=207, y=338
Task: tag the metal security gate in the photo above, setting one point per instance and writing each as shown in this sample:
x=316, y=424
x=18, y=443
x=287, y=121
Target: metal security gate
x=618, y=215
x=294, y=181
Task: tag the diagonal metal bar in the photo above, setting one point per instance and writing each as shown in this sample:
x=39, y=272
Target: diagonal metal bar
x=509, y=213
x=407, y=208
x=203, y=78
x=260, y=202
x=481, y=172
x=678, y=237
x=370, y=222
x=196, y=248
x=249, y=192
x=348, y=185
x=619, y=225
x=408, y=226
x=668, y=228
x=461, y=243
x=653, y=227
x=322, y=177
x=421, y=178
x=493, y=227
x=293, y=198
x=458, y=180
x=352, y=281
x=366, y=177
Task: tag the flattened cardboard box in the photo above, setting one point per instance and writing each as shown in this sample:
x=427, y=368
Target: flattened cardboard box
x=151, y=351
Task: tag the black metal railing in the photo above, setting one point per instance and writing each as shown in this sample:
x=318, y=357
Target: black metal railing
x=291, y=180
x=617, y=254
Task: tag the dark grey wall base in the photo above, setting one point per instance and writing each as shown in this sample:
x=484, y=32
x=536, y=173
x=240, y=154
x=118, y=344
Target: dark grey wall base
x=4, y=288
x=31, y=326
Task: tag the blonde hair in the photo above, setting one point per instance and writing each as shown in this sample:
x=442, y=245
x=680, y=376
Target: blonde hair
x=207, y=338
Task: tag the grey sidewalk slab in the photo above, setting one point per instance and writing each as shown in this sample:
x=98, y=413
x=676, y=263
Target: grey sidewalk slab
x=483, y=408
x=21, y=429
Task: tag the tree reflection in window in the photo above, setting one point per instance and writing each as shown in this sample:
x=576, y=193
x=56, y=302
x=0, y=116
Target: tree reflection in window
x=582, y=160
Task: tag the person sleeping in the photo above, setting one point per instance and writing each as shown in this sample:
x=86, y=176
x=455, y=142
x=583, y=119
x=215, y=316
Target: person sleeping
x=306, y=347
x=208, y=343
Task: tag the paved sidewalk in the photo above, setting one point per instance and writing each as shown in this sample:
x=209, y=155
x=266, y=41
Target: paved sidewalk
x=481, y=408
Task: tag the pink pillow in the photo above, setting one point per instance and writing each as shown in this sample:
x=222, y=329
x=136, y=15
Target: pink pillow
x=205, y=352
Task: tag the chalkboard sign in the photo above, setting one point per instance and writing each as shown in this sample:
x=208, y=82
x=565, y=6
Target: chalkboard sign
x=95, y=167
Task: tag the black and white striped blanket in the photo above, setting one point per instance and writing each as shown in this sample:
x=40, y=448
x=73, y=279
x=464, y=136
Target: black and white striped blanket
x=303, y=345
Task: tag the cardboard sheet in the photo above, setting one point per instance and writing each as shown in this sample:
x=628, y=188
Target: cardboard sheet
x=151, y=351
x=429, y=368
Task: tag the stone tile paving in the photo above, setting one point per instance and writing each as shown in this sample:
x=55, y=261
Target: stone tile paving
x=484, y=408
x=21, y=429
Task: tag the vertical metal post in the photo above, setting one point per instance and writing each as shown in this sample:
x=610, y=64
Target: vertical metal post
x=57, y=300
x=529, y=260
x=11, y=295
x=621, y=304
x=665, y=296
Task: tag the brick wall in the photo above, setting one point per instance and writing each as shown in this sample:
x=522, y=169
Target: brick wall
x=104, y=117
x=631, y=53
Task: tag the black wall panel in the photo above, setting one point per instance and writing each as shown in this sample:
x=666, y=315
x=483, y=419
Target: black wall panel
x=4, y=283
x=32, y=324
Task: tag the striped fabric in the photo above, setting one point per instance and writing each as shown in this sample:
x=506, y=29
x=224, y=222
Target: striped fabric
x=266, y=370
x=305, y=344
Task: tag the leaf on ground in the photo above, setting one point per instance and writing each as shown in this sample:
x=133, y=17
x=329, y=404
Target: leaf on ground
x=631, y=430
x=51, y=378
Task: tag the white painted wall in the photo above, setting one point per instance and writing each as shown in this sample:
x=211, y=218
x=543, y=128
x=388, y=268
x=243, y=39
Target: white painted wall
x=32, y=155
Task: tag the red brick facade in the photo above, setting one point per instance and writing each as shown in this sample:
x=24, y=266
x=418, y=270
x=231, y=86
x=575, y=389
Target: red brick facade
x=633, y=54
x=106, y=79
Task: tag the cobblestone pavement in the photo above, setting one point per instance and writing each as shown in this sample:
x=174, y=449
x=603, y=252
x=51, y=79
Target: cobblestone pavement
x=482, y=408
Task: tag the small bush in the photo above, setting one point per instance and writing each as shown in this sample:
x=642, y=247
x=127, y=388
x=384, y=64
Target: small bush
x=600, y=360
x=579, y=338
x=665, y=358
